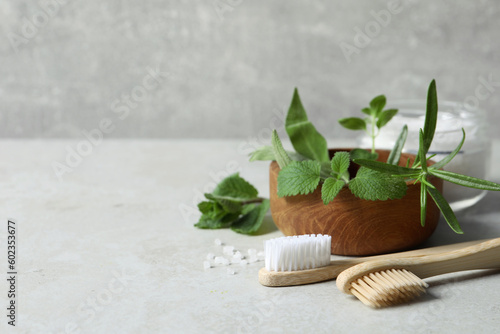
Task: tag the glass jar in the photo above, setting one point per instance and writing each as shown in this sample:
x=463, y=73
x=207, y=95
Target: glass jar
x=472, y=160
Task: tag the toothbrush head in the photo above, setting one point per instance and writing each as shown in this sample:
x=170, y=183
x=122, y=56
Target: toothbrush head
x=383, y=288
x=297, y=252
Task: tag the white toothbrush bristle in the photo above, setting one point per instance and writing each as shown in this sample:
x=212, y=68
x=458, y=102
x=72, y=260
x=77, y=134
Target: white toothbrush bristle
x=297, y=252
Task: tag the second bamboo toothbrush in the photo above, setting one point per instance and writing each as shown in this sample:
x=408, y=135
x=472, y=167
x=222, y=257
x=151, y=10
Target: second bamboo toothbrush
x=386, y=282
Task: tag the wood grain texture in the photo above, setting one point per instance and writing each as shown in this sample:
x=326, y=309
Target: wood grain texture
x=357, y=227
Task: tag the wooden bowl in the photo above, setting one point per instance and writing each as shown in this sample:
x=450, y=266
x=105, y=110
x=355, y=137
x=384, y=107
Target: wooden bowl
x=357, y=227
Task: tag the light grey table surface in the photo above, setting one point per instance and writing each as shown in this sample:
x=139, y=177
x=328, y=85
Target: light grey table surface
x=110, y=247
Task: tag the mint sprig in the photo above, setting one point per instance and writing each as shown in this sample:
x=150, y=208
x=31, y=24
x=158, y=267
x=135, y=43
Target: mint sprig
x=377, y=119
x=233, y=203
x=339, y=177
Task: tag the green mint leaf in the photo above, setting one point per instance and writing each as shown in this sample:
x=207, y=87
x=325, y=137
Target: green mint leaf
x=385, y=116
x=423, y=202
x=353, y=123
x=372, y=185
x=430, y=119
x=305, y=139
x=207, y=222
x=340, y=162
x=251, y=221
x=466, y=181
x=445, y=209
x=359, y=153
x=264, y=153
x=326, y=170
x=280, y=154
x=235, y=187
x=229, y=204
x=367, y=111
x=331, y=187
x=377, y=104
x=299, y=177
x=387, y=168
x=214, y=216
x=395, y=154
x=440, y=164
x=205, y=206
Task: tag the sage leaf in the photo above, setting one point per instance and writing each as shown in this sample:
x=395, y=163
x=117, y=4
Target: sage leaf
x=299, y=177
x=266, y=153
x=280, y=154
x=305, y=139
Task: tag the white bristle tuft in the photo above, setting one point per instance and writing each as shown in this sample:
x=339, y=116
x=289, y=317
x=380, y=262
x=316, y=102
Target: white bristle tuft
x=297, y=252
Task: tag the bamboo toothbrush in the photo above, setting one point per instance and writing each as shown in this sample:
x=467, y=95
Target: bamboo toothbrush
x=387, y=282
x=289, y=261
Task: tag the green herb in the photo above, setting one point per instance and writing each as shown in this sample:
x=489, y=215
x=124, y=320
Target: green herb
x=234, y=203
x=339, y=177
x=279, y=152
x=359, y=153
x=304, y=137
x=420, y=172
x=395, y=154
x=266, y=153
x=377, y=118
x=299, y=178
x=249, y=223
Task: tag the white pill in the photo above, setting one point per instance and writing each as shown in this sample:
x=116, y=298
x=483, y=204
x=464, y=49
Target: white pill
x=206, y=265
x=228, y=250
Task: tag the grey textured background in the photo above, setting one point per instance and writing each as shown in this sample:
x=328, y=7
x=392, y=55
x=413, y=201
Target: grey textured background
x=232, y=64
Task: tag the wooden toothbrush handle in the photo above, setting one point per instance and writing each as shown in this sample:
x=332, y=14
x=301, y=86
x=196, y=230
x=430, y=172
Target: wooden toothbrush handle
x=289, y=278
x=485, y=255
